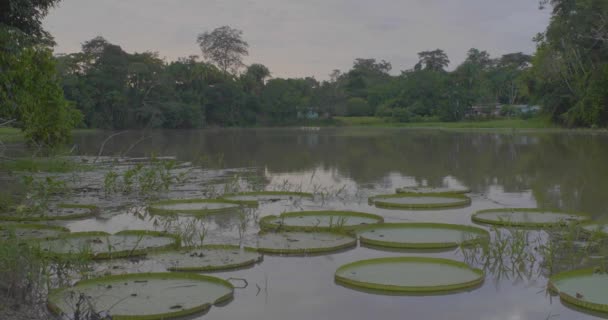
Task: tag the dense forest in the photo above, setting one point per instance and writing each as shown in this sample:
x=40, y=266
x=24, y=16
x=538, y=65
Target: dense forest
x=103, y=86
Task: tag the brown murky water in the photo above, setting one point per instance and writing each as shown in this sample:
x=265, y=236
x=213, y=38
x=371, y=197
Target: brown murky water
x=561, y=170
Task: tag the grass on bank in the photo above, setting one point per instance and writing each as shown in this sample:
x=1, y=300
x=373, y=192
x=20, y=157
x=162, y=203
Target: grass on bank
x=55, y=165
x=8, y=135
x=532, y=123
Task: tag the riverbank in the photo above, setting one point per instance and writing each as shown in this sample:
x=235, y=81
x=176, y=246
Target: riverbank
x=532, y=123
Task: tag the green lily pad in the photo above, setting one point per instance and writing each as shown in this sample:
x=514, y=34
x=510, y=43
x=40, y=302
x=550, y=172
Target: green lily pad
x=192, y=206
x=101, y=245
x=304, y=242
x=31, y=231
x=254, y=198
x=207, y=258
x=61, y=212
x=420, y=201
x=420, y=235
x=147, y=296
x=583, y=288
x=523, y=217
x=416, y=275
x=432, y=190
x=318, y=220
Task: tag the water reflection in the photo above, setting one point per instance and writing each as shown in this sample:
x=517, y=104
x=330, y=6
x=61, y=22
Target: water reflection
x=562, y=169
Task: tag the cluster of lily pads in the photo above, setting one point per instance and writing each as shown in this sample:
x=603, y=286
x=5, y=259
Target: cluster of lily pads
x=171, y=294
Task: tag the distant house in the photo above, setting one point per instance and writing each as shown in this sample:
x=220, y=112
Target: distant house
x=497, y=110
x=308, y=114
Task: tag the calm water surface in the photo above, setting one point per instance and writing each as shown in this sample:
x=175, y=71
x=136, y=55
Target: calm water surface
x=562, y=170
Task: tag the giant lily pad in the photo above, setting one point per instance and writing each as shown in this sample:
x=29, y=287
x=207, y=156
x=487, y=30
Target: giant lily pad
x=318, y=220
x=420, y=235
x=420, y=201
x=254, y=198
x=415, y=275
x=31, y=231
x=207, y=258
x=532, y=218
x=192, y=206
x=101, y=245
x=432, y=190
x=61, y=212
x=147, y=296
x=583, y=288
x=304, y=242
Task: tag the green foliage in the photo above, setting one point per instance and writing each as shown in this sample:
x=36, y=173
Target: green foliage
x=26, y=16
x=358, y=107
x=569, y=74
x=30, y=92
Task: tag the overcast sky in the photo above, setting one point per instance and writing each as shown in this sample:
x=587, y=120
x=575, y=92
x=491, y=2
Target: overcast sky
x=297, y=38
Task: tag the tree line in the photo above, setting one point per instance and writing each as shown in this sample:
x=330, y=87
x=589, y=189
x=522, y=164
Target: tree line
x=103, y=86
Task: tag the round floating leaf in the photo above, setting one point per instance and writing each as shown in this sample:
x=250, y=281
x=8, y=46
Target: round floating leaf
x=61, y=212
x=147, y=296
x=420, y=235
x=318, y=220
x=420, y=201
x=101, y=245
x=523, y=217
x=304, y=242
x=583, y=288
x=432, y=190
x=192, y=206
x=415, y=275
x=31, y=231
x=254, y=198
x=207, y=258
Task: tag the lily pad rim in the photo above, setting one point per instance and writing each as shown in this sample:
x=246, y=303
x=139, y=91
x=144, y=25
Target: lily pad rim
x=377, y=201
x=226, y=267
x=164, y=275
x=266, y=224
x=402, y=190
x=117, y=254
x=572, y=299
x=484, y=235
x=152, y=209
x=504, y=223
x=309, y=251
x=263, y=193
x=413, y=289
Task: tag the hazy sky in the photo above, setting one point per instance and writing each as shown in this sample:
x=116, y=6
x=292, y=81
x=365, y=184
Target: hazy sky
x=297, y=38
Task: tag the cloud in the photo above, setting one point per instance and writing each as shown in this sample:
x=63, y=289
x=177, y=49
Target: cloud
x=300, y=38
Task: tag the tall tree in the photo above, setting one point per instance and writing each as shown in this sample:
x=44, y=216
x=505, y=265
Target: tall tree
x=225, y=47
x=436, y=60
x=26, y=16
